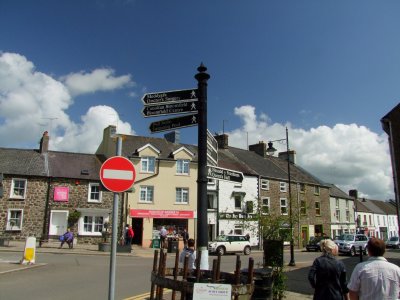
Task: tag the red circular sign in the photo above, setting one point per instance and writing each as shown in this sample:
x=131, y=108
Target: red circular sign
x=117, y=174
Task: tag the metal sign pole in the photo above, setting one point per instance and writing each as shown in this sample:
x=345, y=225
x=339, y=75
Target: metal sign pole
x=202, y=233
x=113, y=254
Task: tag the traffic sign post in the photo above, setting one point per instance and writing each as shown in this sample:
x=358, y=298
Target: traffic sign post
x=117, y=174
x=184, y=107
x=224, y=174
x=169, y=96
x=174, y=123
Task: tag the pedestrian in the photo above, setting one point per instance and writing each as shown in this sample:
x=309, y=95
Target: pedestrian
x=185, y=237
x=67, y=237
x=163, y=237
x=191, y=253
x=328, y=275
x=375, y=278
x=129, y=235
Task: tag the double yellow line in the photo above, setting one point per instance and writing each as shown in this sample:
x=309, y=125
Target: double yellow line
x=145, y=296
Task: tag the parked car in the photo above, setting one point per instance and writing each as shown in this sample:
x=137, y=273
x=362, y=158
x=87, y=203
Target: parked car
x=314, y=243
x=350, y=243
x=230, y=244
x=393, y=242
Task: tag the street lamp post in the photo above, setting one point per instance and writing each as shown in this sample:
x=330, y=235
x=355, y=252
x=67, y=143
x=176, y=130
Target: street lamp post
x=271, y=150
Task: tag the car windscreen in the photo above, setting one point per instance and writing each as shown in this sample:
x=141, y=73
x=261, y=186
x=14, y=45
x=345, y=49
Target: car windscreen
x=346, y=237
x=221, y=238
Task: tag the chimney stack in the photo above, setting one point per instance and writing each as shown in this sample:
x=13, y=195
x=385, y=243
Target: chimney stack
x=291, y=153
x=260, y=148
x=353, y=193
x=44, y=143
x=222, y=141
x=173, y=137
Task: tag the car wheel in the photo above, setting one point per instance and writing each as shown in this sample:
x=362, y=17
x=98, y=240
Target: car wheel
x=221, y=250
x=246, y=250
x=352, y=251
x=308, y=250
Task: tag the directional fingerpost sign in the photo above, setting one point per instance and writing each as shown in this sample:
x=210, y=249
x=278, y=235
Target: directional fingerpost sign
x=174, y=123
x=117, y=174
x=183, y=107
x=169, y=96
x=224, y=174
x=212, y=150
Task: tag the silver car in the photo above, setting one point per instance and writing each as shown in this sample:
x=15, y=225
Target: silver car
x=350, y=243
x=393, y=242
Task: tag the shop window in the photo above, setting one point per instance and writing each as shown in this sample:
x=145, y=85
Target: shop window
x=94, y=192
x=14, y=219
x=148, y=164
x=18, y=188
x=182, y=196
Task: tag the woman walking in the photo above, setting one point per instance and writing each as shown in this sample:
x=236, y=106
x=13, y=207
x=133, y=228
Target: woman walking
x=328, y=275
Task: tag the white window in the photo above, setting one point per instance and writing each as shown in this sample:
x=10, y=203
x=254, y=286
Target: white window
x=182, y=166
x=265, y=206
x=264, y=184
x=338, y=215
x=14, y=219
x=347, y=216
x=211, y=201
x=182, y=196
x=92, y=224
x=211, y=181
x=284, y=210
x=282, y=186
x=18, y=188
x=148, y=164
x=94, y=192
x=347, y=204
x=337, y=203
x=146, y=193
x=317, y=208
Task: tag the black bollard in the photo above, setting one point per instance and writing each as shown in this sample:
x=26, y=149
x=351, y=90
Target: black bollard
x=361, y=254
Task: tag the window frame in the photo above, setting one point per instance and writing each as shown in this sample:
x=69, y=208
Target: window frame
x=285, y=207
x=238, y=197
x=265, y=184
x=337, y=212
x=317, y=209
x=92, y=185
x=303, y=208
x=302, y=187
x=182, y=163
x=317, y=190
x=21, y=219
x=282, y=187
x=13, y=195
x=181, y=192
x=212, y=203
x=146, y=189
x=147, y=160
x=93, y=224
x=263, y=205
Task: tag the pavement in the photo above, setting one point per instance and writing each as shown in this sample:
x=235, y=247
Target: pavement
x=86, y=249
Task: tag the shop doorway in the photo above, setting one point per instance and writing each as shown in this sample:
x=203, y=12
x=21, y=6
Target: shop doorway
x=137, y=226
x=304, y=235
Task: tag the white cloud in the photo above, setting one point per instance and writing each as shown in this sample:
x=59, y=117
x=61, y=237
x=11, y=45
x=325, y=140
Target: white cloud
x=98, y=80
x=350, y=156
x=32, y=102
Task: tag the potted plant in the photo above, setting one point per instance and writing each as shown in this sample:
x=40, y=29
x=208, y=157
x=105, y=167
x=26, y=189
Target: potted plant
x=73, y=218
x=105, y=245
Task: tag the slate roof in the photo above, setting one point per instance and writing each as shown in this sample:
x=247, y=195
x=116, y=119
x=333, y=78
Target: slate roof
x=338, y=193
x=22, y=162
x=55, y=164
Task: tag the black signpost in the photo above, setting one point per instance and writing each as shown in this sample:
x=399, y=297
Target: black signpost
x=169, y=96
x=224, y=174
x=174, y=123
x=212, y=150
x=182, y=107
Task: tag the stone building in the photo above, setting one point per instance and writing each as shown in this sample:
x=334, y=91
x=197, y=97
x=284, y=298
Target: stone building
x=40, y=189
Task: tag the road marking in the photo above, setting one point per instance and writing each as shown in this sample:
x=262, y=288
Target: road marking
x=145, y=296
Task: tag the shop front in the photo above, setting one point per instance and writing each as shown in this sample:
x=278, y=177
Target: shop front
x=174, y=221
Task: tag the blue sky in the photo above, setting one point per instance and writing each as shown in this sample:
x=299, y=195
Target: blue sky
x=329, y=70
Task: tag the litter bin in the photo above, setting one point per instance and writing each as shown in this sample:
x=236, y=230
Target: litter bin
x=172, y=245
x=155, y=243
x=263, y=282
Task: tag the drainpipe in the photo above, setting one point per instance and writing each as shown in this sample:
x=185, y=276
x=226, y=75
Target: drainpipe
x=45, y=233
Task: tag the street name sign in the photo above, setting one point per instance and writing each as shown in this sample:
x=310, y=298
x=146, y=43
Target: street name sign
x=174, y=123
x=117, y=174
x=212, y=150
x=183, y=107
x=224, y=174
x=169, y=97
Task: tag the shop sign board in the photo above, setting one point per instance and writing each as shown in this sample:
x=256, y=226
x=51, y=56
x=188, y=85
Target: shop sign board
x=162, y=214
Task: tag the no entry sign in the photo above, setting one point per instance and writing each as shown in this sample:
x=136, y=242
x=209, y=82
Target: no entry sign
x=117, y=174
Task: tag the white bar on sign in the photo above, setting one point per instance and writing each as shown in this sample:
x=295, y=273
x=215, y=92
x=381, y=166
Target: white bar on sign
x=117, y=174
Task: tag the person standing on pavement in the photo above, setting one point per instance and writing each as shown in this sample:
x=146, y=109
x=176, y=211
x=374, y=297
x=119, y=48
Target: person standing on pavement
x=163, y=237
x=328, y=275
x=375, y=278
x=129, y=235
x=185, y=237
